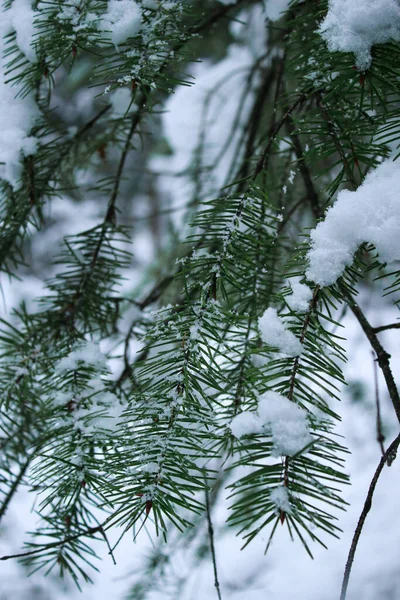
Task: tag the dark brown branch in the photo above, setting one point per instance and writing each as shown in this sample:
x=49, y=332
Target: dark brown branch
x=379, y=435
x=383, y=357
x=212, y=547
x=385, y=327
x=88, y=532
x=388, y=458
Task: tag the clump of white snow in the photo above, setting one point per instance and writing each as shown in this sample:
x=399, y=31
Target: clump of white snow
x=287, y=423
x=370, y=214
x=123, y=19
x=299, y=299
x=283, y=419
x=245, y=423
x=21, y=18
x=356, y=25
x=17, y=115
x=280, y=497
x=274, y=333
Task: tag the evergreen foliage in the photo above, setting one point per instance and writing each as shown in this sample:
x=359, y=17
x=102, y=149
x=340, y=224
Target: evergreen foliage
x=151, y=444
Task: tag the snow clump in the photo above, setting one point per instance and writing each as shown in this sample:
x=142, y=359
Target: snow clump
x=279, y=496
x=299, y=299
x=369, y=214
x=123, y=19
x=281, y=418
x=356, y=25
x=274, y=333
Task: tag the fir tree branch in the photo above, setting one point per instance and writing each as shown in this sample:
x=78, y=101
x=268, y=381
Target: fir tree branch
x=295, y=369
x=88, y=532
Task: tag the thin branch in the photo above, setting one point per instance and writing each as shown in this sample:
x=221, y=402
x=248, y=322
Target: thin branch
x=293, y=375
x=272, y=137
x=379, y=435
x=336, y=141
x=14, y=487
x=385, y=327
x=304, y=170
x=388, y=458
x=212, y=547
x=90, y=531
x=383, y=357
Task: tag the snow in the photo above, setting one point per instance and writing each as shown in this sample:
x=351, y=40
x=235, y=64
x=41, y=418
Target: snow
x=88, y=354
x=122, y=20
x=280, y=497
x=21, y=18
x=274, y=333
x=356, y=25
x=275, y=8
x=100, y=418
x=287, y=423
x=299, y=299
x=17, y=115
x=245, y=423
x=369, y=214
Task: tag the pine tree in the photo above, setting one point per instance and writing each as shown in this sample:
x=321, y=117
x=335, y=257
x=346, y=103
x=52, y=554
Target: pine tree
x=232, y=389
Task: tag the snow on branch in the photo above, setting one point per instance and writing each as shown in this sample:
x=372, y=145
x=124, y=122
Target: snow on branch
x=369, y=214
x=356, y=25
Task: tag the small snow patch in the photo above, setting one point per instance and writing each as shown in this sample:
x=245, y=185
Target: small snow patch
x=274, y=333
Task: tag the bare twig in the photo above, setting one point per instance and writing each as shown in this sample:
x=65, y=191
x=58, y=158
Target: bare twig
x=385, y=327
x=388, y=458
x=383, y=357
x=212, y=547
x=379, y=435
